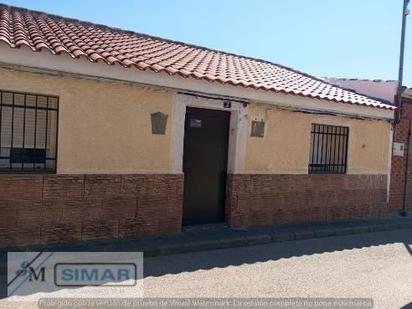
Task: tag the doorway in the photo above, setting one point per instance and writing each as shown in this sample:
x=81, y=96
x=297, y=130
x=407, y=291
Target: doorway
x=205, y=165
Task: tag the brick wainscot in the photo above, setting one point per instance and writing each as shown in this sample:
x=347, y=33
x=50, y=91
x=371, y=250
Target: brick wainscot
x=279, y=199
x=36, y=209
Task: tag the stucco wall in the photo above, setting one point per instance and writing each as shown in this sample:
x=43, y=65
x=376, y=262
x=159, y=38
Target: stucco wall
x=285, y=146
x=103, y=127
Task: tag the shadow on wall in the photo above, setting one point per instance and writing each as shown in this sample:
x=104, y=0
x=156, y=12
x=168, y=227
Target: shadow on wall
x=175, y=264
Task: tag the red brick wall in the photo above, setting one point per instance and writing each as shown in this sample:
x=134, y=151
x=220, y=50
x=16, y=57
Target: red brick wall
x=36, y=209
x=399, y=163
x=279, y=199
x=40, y=209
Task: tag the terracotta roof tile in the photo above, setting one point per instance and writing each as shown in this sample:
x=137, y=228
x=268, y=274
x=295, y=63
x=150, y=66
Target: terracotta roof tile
x=39, y=31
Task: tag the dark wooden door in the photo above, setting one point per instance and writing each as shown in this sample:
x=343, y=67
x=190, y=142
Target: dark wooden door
x=205, y=165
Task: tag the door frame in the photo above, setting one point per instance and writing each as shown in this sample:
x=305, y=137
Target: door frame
x=237, y=130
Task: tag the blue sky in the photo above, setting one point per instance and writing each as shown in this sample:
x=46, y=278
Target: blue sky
x=336, y=38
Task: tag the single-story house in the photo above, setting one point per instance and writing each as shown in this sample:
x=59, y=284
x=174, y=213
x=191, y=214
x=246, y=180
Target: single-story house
x=106, y=133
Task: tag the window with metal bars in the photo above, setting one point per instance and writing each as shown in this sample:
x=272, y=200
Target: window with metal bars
x=328, y=149
x=28, y=132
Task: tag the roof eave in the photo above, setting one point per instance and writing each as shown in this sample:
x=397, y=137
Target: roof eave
x=81, y=66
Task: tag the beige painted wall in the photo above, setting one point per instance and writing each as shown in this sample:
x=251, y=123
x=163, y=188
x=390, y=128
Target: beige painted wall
x=103, y=127
x=285, y=146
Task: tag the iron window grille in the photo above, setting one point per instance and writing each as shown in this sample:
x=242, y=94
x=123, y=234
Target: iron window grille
x=328, y=149
x=28, y=132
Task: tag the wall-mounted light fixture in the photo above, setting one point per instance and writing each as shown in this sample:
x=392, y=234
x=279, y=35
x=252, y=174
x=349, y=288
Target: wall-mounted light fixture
x=159, y=122
x=258, y=128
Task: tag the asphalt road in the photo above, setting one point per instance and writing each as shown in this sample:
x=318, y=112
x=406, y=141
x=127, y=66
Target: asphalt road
x=374, y=265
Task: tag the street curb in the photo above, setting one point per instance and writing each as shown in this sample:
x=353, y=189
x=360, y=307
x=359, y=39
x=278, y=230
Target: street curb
x=325, y=233
x=405, y=225
x=377, y=228
x=304, y=235
x=262, y=239
x=226, y=238
x=274, y=237
x=352, y=230
x=196, y=246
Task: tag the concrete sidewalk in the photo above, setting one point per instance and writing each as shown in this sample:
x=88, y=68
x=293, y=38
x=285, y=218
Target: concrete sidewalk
x=220, y=236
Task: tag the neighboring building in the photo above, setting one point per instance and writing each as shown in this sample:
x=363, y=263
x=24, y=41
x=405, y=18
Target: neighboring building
x=399, y=197
x=387, y=90
x=108, y=133
x=376, y=88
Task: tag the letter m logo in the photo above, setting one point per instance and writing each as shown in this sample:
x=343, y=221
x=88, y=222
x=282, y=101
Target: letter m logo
x=36, y=276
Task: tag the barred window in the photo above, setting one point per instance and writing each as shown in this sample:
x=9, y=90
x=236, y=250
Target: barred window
x=328, y=149
x=28, y=132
